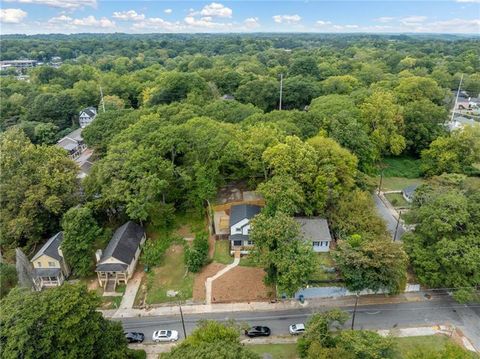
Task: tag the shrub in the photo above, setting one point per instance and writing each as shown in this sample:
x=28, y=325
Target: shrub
x=154, y=250
x=196, y=256
x=8, y=278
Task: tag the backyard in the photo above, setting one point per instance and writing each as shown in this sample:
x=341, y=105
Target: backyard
x=322, y=272
x=397, y=200
x=399, y=172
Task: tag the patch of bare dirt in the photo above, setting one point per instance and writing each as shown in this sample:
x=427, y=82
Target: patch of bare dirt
x=241, y=284
x=200, y=278
x=185, y=231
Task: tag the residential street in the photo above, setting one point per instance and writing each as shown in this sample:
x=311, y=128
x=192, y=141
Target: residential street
x=388, y=217
x=440, y=310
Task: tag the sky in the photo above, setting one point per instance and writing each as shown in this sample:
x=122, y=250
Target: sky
x=158, y=16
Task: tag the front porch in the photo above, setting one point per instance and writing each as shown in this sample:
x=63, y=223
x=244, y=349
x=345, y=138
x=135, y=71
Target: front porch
x=47, y=278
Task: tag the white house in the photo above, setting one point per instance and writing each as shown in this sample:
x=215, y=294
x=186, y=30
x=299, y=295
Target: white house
x=315, y=230
x=240, y=217
x=86, y=116
x=117, y=263
x=73, y=144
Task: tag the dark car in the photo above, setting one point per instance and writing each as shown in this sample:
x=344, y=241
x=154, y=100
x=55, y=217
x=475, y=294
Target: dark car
x=257, y=332
x=134, y=337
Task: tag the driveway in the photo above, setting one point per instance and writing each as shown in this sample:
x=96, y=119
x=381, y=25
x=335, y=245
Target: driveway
x=389, y=218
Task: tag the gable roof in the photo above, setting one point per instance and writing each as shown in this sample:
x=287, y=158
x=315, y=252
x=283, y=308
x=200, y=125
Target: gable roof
x=124, y=243
x=410, y=190
x=314, y=228
x=51, y=248
x=90, y=111
x=71, y=141
x=241, y=211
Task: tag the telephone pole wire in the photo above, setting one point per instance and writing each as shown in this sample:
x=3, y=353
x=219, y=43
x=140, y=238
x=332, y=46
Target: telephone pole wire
x=281, y=92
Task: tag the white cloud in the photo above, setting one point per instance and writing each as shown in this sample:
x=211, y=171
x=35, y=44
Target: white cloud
x=216, y=10
x=205, y=22
x=12, y=16
x=168, y=11
x=156, y=23
x=323, y=23
x=251, y=22
x=452, y=26
x=413, y=20
x=287, y=19
x=130, y=15
x=60, y=19
x=64, y=4
x=92, y=21
x=385, y=19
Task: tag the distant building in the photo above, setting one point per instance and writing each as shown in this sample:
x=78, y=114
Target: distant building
x=73, y=144
x=17, y=64
x=86, y=116
x=460, y=122
x=49, y=266
x=228, y=97
x=315, y=231
x=117, y=263
x=240, y=217
x=409, y=192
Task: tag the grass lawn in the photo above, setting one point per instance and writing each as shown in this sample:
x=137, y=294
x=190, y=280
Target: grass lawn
x=171, y=275
x=111, y=302
x=323, y=260
x=398, y=183
x=246, y=261
x=222, y=252
x=397, y=200
x=277, y=351
x=415, y=344
x=407, y=167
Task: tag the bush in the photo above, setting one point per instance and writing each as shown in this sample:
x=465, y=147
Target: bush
x=154, y=250
x=136, y=354
x=197, y=255
x=8, y=278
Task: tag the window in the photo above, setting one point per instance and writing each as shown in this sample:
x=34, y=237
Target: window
x=316, y=244
x=324, y=243
x=237, y=243
x=51, y=264
x=39, y=264
x=250, y=243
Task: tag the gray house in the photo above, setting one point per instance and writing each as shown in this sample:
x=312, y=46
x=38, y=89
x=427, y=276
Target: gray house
x=49, y=266
x=73, y=144
x=409, y=192
x=240, y=217
x=315, y=230
x=117, y=263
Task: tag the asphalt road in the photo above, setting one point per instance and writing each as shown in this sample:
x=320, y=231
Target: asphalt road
x=389, y=219
x=441, y=310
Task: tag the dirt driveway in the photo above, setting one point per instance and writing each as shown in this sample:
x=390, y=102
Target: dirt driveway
x=241, y=284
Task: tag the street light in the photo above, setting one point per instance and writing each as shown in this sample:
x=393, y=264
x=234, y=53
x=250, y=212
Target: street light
x=183, y=321
x=398, y=223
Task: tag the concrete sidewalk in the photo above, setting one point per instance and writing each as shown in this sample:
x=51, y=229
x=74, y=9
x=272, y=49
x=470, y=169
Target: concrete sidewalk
x=267, y=306
x=131, y=290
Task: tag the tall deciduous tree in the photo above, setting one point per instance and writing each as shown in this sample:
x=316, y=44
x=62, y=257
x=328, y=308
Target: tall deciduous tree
x=60, y=322
x=80, y=230
x=377, y=264
x=282, y=194
x=38, y=184
x=287, y=260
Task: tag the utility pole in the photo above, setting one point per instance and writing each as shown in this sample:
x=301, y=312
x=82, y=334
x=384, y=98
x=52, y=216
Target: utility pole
x=381, y=180
x=281, y=92
x=101, y=96
x=183, y=321
x=456, y=98
x=354, y=311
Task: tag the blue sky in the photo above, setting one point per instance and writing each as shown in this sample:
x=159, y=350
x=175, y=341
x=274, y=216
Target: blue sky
x=73, y=16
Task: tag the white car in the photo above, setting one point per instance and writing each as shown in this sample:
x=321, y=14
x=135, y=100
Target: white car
x=296, y=329
x=165, y=336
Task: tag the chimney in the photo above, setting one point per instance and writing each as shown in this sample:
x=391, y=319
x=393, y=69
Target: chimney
x=98, y=255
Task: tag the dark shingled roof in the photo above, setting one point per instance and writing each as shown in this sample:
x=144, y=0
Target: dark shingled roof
x=111, y=267
x=46, y=272
x=51, y=247
x=124, y=243
x=239, y=237
x=90, y=111
x=241, y=211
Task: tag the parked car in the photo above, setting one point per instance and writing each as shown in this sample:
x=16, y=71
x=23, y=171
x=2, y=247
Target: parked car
x=296, y=329
x=134, y=337
x=165, y=336
x=257, y=331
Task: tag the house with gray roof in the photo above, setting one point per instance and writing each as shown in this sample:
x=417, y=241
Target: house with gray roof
x=315, y=230
x=49, y=266
x=86, y=116
x=117, y=262
x=73, y=144
x=409, y=192
x=240, y=217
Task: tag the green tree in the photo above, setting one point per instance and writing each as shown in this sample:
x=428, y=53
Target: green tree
x=112, y=102
x=60, y=322
x=38, y=185
x=8, y=278
x=416, y=88
x=263, y=93
x=45, y=133
x=80, y=230
x=212, y=340
x=385, y=122
x=196, y=256
x=287, y=260
x=283, y=194
x=377, y=264
x=59, y=109
x=453, y=154
x=304, y=66
x=230, y=110
x=298, y=92
x=339, y=85
x=365, y=344
x=472, y=85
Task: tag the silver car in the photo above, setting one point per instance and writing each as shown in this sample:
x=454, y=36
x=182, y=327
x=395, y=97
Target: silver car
x=296, y=329
x=165, y=336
